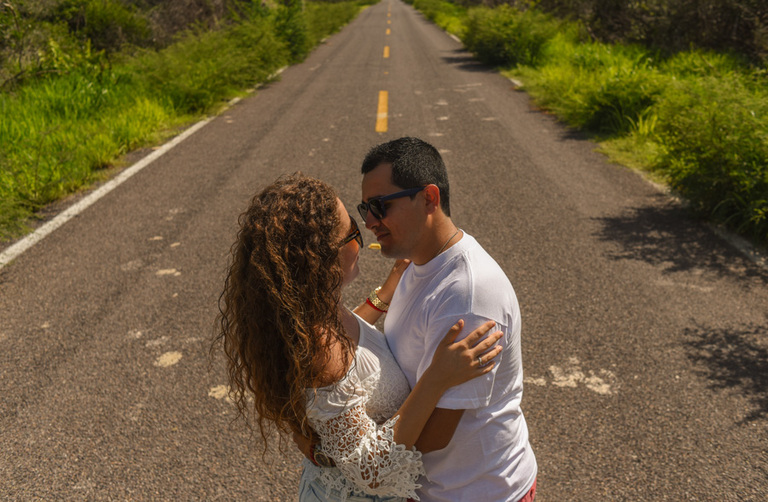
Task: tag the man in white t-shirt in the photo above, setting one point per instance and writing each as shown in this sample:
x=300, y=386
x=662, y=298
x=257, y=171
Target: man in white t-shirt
x=475, y=445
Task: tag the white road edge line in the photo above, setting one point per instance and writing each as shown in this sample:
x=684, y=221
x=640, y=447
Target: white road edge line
x=13, y=252
x=30, y=240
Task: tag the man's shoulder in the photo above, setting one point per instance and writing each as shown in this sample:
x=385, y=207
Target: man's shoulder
x=482, y=267
x=487, y=283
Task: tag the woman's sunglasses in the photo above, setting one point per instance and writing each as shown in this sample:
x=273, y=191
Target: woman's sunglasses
x=353, y=235
x=376, y=205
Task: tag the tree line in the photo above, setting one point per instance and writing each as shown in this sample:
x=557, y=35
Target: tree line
x=738, y=26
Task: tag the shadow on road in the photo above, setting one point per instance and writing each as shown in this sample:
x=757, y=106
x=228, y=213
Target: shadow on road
x=734, y=358
x=465, y=61
x=667, y=236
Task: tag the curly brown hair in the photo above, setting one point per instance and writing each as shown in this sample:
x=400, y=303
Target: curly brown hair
x=279, y=309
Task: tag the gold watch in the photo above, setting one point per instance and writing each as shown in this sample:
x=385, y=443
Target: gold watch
x=376, y=301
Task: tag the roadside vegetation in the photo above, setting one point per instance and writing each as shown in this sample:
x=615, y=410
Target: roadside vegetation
x=82, y=82
x=687, y=103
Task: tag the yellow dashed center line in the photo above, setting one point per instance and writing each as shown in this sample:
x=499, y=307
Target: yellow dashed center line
x=382, y=123
x=381, y=113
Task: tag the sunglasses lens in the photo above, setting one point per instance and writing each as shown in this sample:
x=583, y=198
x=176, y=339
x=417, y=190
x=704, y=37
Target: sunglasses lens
x=363, y=210
x=377, y=208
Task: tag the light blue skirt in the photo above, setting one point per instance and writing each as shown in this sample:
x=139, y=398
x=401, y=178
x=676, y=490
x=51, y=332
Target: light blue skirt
x=312, y=490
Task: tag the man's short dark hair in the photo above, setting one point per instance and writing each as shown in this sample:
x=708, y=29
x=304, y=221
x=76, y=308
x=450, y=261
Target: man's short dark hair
x=414, y=163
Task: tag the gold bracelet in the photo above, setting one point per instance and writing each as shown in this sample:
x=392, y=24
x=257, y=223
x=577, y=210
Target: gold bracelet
x=376, y=301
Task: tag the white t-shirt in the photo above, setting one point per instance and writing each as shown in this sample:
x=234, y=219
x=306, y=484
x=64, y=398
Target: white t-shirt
x=489, y=457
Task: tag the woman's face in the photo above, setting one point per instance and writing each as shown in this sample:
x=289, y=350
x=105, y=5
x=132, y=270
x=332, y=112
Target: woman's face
x=349, y=252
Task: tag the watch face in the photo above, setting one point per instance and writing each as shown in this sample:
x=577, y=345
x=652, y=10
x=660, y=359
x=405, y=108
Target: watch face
x=323, y=460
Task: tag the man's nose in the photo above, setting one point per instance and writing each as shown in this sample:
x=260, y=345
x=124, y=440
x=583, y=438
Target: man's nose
x=371, y=221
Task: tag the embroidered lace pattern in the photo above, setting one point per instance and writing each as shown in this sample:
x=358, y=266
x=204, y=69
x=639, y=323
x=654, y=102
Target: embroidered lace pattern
x=367, y=457
x=352, y=419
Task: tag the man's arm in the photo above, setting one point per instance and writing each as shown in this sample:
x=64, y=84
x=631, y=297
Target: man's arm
x=439, y=430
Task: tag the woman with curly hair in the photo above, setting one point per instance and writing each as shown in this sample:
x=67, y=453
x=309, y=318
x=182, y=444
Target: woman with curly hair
x=316, y=369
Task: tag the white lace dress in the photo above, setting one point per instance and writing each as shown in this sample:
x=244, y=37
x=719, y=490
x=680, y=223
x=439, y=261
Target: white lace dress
x=353, y=420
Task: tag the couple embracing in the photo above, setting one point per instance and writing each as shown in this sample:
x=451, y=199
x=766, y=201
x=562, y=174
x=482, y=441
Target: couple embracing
x=428, y=410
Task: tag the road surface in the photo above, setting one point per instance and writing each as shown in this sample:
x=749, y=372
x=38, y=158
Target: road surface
x=645, y=335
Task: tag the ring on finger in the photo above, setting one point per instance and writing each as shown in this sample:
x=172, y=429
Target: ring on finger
x=480, y=360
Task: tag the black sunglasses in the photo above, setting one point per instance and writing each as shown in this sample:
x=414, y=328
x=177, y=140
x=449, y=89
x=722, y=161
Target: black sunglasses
x=376, y=205
x=354, y=235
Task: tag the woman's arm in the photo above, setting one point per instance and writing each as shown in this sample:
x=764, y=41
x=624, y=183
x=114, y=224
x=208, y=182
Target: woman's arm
x=361, y=448
x=453, y=363
x=370, y=314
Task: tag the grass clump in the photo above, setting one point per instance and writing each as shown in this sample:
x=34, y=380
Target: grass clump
x=714, y=131
x=199, y=71
x=77, y=109
x=606, y=89
x=447, y=15
x=505, y=36
x=324, y=19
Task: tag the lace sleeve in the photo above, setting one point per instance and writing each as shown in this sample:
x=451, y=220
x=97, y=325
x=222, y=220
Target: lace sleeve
x=367, y=455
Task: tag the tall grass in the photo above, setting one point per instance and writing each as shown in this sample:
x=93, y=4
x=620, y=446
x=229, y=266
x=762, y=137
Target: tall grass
x=57, y=133
x=507, y=36
x=199, y=71
x=695, y=120
x=714, y=130
x=606, y=89
x=324, y=19
x=447, y=15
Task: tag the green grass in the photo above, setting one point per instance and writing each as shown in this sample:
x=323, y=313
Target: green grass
x=57, y=134
x=695, y=120
x=449, y=16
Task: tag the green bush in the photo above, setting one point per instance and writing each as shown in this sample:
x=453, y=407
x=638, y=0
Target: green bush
x=291, y=27
x=622, y=97
x=672, y=25
x=697, y=119
x=447, y=15
x=106, y=24
x=696, y=63
x=198, y=71
x=598, y=87
x=507, y=37
x=57, y=131
x=715, y=134
x=55, y=134
x=323, y=19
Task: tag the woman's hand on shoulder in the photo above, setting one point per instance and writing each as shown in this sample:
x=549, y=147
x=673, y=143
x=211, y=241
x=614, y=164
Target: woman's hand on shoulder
x=457, y=362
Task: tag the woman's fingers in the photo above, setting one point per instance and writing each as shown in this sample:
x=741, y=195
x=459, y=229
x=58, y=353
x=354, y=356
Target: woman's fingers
x=401, y=265
x=487, y=357
x=487, y=349
x=488, y=342
x=450, y=337
x=474, y=337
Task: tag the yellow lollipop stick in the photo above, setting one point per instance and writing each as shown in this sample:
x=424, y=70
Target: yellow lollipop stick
x=374, y=245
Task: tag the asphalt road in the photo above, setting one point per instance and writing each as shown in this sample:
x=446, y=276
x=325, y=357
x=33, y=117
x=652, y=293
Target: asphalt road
x=645, y=335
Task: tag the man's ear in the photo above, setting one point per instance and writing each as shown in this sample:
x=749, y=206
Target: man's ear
x=432, y=198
